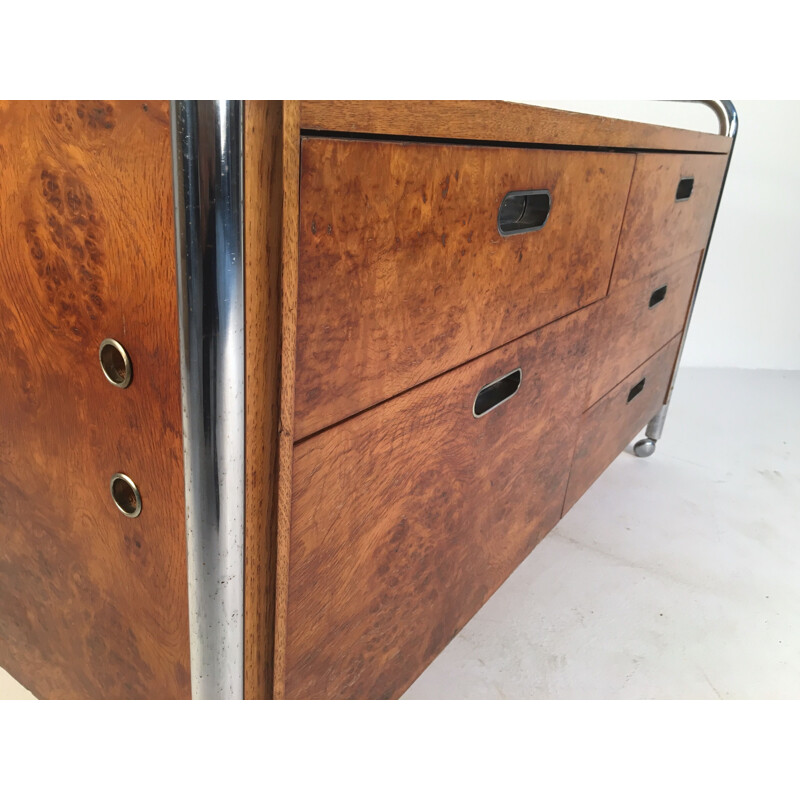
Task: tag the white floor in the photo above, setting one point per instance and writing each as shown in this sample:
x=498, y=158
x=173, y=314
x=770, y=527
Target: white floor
x=676, y=576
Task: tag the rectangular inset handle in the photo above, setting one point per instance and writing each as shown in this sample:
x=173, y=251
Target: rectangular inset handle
x=636, y=390
x=684, y=191
x=657, y=296
x=496, y=393
x=523, y=212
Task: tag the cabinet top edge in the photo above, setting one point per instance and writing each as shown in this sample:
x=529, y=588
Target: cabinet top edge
x=499, y=121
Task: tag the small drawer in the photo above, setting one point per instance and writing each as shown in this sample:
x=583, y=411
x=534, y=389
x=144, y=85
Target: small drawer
x=669, y=213
x=406, y=518
x=634, y=322
x=609, y=425
x=414, y=258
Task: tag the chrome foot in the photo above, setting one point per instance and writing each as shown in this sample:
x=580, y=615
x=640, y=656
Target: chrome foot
x=644, y=447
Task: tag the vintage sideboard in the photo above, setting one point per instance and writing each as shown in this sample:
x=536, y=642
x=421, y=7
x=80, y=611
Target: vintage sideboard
x=290, y=388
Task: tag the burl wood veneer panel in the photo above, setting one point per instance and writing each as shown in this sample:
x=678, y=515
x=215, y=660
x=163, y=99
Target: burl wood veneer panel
x=92, y=604
x=629, y=329
x=403, y=273
x=609, y=425
x=658, y=228
x=406, y=518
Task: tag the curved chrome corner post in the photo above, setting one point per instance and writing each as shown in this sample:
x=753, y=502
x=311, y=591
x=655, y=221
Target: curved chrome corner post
x=728, y=126
x=207, y=173
x=726, y=114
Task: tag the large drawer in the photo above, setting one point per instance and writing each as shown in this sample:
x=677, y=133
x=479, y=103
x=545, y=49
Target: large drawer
x=406, y=518
x=403, y=273
x=669, y=213
x=608, y=426
x=634, y=322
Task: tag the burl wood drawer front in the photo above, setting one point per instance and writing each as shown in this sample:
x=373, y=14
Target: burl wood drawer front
x=609, y=425
x=669, y=213
x=634, y=322
x=403, y=273
x=407, y=517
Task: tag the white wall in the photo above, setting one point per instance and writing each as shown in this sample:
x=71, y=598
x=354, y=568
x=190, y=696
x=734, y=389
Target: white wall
x=747, y=308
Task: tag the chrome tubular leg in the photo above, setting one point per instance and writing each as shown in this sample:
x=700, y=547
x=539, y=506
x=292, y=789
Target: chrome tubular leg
x=647, y=446
x=207, y=172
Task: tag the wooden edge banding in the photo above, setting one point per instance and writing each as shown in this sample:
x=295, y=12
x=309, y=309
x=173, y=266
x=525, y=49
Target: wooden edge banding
x=497, y=121
x=262, y=169
x=288, y=301
x=271, y=170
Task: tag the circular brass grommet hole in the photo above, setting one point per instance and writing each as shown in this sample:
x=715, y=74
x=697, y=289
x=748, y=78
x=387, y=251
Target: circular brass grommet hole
x=125, y=495
x=116, y=363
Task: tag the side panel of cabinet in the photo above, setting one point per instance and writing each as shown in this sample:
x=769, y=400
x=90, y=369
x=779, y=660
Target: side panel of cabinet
x=92, y=604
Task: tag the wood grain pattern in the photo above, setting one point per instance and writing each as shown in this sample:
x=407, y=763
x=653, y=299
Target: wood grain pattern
x=92, y=604
x=263, y=188
x=628, y=330
x=658, y=230
x=499, y=121
x=403, y=273
x=406, y=518
x=609, y=425
x=290, y=157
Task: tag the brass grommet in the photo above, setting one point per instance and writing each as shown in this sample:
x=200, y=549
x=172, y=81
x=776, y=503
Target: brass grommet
x=115, y=363
x=125, y=495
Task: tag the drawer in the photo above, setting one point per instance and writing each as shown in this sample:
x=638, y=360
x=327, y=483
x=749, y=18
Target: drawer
x=661, y=224
x=609, y=425
x=634, y=322
x=403, y=273
x=406, y=518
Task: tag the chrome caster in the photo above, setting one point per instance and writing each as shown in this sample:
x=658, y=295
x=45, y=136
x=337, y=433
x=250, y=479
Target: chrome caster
x=644, y=447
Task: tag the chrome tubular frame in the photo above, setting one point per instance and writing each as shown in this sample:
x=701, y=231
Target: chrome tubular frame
x=207, y=173
x=728, y=126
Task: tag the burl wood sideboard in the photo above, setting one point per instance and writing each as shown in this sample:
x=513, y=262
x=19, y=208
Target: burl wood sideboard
x=290, y=388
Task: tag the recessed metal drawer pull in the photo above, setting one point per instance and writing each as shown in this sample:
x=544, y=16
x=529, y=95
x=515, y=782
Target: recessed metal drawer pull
x=684, y=191
x=496, y=393
x=125, y=495
x=523, y=212
x=636, y=390
x=115, y=363
x=657, y=296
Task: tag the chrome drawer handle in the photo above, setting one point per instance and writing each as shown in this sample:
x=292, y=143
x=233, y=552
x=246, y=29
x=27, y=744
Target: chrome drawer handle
x=523, y=212
x=657, y=296
x=684, y=190
x=496, y=393
x=636, y=390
